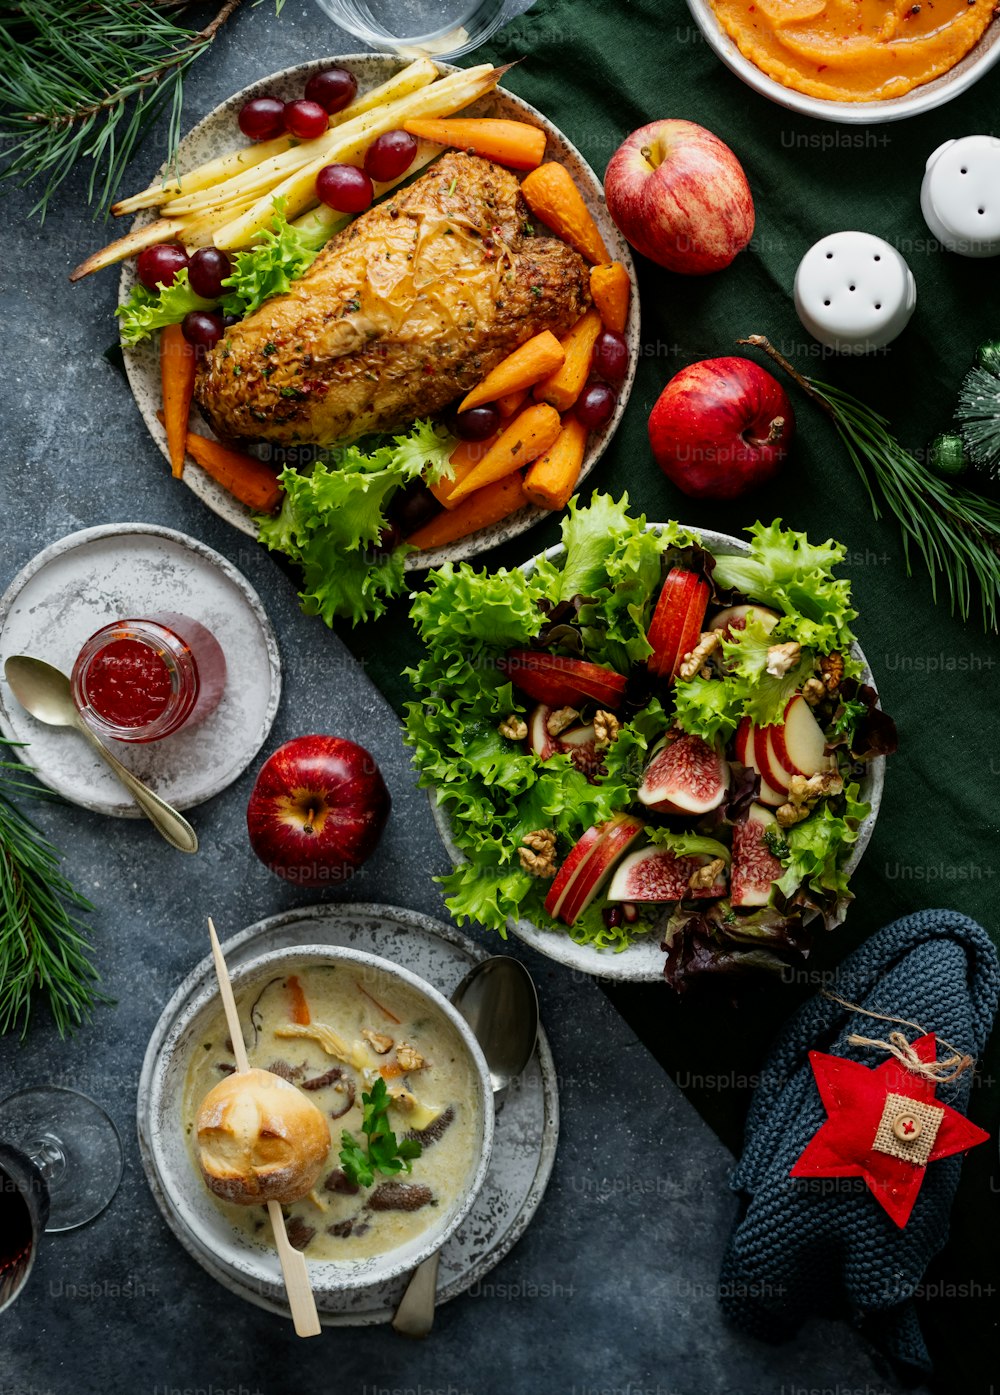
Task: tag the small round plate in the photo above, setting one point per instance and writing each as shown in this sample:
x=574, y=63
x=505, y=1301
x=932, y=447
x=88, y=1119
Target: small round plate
x=127, y=570
x=642, y=962
x=527, y=1120
x=217, y=134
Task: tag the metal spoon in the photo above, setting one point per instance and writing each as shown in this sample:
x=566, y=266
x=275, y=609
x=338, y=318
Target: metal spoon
x=498, y=1000
x=45, y=692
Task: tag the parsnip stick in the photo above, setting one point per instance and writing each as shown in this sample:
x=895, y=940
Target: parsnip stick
x=443, y=98
x=329, y=221
x=224, y=167
x=163, y=230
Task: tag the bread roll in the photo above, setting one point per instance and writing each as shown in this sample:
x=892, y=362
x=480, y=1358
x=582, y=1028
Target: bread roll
x=260, y=1139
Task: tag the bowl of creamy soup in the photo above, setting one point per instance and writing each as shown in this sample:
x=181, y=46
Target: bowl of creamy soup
x=853, y=61
x=344, y=1029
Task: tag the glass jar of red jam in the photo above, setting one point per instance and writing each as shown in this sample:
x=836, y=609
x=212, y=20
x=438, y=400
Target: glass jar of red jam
x=140, y=680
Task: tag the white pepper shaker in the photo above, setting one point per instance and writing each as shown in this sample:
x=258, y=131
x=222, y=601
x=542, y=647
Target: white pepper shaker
x=960, y=195
x=854, y=292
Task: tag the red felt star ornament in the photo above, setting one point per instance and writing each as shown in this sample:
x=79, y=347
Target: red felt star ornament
x=872, y=1130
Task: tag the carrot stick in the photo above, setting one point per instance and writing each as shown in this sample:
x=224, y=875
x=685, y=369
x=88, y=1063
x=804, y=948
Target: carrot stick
x=464, y=459
x=516, y=144
x=554, y=198
x=178, y=365
x=566, y=383
x=481, y=509
x=511, y=402
x=246, y=478
x=552, y=478
x=528, y=364
x=299, y=1011
x=527, y=437
x=611, y=288
x=391, y=1070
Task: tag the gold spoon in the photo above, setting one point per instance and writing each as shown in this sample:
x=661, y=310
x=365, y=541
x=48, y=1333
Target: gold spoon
x=45, y=692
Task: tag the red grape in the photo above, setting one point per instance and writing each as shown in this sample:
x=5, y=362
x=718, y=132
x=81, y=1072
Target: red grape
x=263, y=118
x=306, y=120
x=160, y=263
x=207, y=270
x=345, y=188
x=477, y=424
x=332, y=89
x=611, y=356
x=390, y=155
x=203, y=328
x=595, y=406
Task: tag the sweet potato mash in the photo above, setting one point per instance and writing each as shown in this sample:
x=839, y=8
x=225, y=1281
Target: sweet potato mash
x=854, y=50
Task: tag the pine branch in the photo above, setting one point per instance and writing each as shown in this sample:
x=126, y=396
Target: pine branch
x=43, y=950
x=83, y=80
x=956, y=531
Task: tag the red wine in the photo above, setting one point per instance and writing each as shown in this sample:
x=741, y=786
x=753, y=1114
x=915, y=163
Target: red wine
x=23, y=1211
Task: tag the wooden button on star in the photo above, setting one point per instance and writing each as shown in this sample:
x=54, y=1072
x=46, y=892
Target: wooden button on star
x=906, y=1127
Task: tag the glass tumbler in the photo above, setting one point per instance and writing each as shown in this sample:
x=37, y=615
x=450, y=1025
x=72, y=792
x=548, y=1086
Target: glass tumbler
x=420, y=28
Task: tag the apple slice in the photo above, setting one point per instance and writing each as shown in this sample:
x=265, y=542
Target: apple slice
x=588, y=864
x=656, y=874
x=693, y=623
x=754, y=865
x=539, y=739
x=800, y=745
x=767, y=760
x=743, y=744
x=681, y=591
x=735, y=617
x=685, y=776
x=562, y=682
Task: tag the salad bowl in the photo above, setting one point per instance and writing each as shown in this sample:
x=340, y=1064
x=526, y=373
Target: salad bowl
x=642, y=960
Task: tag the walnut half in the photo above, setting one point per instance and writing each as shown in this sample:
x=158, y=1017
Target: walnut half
x=606, y=729
x=694, y=661
x=514, y=728
x=782, y=657
x=537, y=853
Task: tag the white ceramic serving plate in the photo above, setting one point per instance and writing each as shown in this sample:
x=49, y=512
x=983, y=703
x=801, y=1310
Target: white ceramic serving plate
x=218, y=133
x=976, y=63
x=161, y=1099
x=642, y=962
x=121, y=570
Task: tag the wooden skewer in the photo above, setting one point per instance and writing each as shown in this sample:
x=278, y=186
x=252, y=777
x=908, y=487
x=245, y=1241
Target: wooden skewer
x=293, y=1263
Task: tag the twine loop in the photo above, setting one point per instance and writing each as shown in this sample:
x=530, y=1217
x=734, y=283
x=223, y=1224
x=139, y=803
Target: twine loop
x=942, y=1072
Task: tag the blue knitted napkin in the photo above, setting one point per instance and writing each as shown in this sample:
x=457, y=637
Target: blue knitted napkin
x=825, y=1246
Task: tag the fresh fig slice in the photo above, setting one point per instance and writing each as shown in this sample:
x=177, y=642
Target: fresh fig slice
x=580, y=744
x=685, y=776
x=754, y=865
x=657, y=874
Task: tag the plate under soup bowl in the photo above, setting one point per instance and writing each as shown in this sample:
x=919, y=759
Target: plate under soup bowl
x=354, y=1245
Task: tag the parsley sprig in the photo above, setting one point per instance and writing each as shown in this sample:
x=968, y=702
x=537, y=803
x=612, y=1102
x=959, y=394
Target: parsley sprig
x=384, y=1153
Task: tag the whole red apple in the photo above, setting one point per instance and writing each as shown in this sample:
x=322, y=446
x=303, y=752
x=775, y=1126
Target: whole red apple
x=317, y=810
x=721, y=428
x=680, y=197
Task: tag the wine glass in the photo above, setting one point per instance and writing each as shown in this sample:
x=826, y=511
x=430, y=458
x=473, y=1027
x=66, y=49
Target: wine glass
x=64, y=1141
x=24, y=1210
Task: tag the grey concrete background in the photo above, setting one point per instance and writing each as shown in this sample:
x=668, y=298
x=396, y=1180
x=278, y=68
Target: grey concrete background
x=613, y=1287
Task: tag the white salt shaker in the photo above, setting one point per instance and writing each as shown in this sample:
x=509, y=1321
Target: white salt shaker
x=854, y=292
x=960, y=195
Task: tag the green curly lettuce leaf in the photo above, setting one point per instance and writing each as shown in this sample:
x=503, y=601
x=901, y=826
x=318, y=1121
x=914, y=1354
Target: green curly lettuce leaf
x=147, y=311
x=688, y=844
x=817, y=849
x=785, y=570
x=333, y=517
x=463, y=609
x=709, y=707
x=279, y=255
x=765, y=696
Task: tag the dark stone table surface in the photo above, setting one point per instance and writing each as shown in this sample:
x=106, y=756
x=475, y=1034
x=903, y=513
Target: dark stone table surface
x=612, y=1289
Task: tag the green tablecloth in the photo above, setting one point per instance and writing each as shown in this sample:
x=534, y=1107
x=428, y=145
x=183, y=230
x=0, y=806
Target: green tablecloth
x=599, y=70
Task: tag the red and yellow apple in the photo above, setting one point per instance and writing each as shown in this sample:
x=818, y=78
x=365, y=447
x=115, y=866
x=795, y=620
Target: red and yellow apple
x=680, y=197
